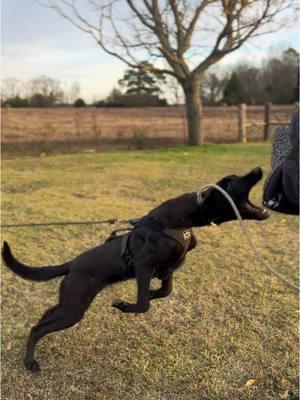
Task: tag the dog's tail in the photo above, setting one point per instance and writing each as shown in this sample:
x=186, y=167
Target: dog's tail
x=34, y=274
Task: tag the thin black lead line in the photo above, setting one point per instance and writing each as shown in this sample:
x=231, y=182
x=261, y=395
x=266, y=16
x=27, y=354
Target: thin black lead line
x=41, y=224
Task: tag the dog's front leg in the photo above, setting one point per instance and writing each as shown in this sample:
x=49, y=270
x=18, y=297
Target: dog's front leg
x=164, y=290
x=143, y=277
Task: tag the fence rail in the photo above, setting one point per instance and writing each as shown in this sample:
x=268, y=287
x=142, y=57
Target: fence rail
x=43, y=131
x=266, y=124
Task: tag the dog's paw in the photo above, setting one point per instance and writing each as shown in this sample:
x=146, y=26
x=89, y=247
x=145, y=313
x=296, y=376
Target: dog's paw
x=158, y=294
x=120, y=305
x=130, y=308
x=32, y=366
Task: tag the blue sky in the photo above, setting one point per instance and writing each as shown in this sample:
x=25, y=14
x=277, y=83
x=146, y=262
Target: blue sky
x=36, y=41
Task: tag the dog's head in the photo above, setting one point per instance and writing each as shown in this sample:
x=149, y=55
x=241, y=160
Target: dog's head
x=216, y=207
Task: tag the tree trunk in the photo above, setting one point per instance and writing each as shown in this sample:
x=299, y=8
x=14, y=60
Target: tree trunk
x=193, y=112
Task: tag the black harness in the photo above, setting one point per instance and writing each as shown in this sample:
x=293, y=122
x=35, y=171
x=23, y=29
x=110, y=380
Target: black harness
x=182, y=236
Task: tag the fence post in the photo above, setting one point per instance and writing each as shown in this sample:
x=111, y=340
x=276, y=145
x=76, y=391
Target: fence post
x=267, y=121
x=242, y=123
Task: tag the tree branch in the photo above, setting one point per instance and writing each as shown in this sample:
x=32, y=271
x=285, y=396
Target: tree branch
x=165, y=28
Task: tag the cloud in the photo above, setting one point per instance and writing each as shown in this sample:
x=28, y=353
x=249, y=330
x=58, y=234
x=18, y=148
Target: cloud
x=36, y=41
x=96, y=74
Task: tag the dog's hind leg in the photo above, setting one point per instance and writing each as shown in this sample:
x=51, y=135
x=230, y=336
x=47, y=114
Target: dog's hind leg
x=54, y=323
x=73, y=303
x=51, y=310
x=47, y=314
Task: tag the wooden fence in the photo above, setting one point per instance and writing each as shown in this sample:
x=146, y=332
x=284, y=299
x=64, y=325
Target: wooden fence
x=266, y=124
x=38, y=131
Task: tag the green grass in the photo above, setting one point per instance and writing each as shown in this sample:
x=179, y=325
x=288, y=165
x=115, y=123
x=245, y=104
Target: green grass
x=226, y=322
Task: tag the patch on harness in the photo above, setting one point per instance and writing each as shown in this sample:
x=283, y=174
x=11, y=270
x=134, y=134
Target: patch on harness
x=186, y=234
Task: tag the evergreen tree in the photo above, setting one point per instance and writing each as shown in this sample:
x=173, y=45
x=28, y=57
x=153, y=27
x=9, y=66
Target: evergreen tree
x=79, y=102
x=137, y=81
x=233, y=91
x=114, y=93
x=16, y=102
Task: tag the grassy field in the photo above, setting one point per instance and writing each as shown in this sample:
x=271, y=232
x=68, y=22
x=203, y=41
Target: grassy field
x=227, y=332
x=57, y=129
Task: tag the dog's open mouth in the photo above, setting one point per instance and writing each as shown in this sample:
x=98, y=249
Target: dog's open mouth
x=250, y=211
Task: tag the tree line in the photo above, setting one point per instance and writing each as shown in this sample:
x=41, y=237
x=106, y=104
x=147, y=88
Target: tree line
x=275, y=81
x=39, y=92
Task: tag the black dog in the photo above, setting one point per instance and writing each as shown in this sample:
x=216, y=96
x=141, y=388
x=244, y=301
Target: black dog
x=154, y=248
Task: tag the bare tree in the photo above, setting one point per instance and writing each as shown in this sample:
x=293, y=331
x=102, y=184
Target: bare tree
x=181, y=38
x=45, y=91
x=71, y=91
x=280, y=76
x=174, y=91
x=74, y=92
x=45, y=85
x=10, y=87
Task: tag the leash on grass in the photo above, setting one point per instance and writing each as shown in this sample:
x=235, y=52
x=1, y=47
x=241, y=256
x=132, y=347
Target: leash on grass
x=246, y=233
x=199, y=197
x=105, y=221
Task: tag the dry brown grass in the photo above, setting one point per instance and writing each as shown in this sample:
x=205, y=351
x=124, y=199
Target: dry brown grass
x=99, y=126
x=226, y=323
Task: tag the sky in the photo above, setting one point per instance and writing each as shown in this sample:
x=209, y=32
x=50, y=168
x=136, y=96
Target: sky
x=36, y=41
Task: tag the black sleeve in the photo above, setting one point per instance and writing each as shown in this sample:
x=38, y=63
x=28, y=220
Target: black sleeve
x=290, y=167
